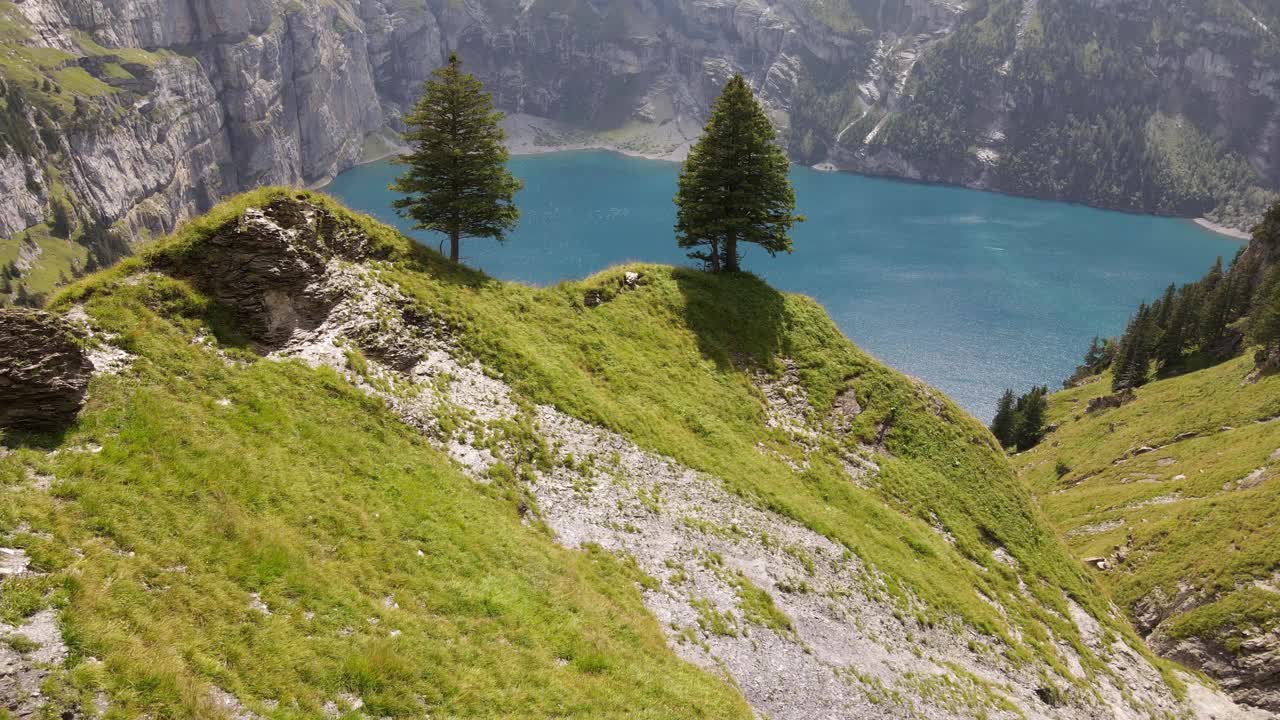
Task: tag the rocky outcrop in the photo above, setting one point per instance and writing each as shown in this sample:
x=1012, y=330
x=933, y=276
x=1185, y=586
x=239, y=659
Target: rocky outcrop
x=44, y=371
x=1246, y=668
x=267, y=264
x=1108, y=402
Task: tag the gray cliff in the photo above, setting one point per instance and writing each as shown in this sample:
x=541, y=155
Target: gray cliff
x=233, y=94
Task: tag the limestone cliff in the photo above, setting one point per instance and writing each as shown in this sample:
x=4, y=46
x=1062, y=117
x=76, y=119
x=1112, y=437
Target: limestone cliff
x=146, y=111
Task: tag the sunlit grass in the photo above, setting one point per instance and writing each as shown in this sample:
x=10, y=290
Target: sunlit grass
x=1183, y=507
x=316, y=498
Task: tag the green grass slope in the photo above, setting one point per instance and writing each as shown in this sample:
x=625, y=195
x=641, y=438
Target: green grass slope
x=265, y=528
x=1186, y=480
x=386, y=574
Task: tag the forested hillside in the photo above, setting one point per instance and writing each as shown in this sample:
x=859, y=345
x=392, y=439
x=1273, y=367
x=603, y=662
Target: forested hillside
x=1165, y=107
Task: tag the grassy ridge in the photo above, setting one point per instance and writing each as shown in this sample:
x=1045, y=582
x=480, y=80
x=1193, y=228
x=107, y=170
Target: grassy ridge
x=658, y=366
x=388, y=575
x=317, y=499
x=1188, y=511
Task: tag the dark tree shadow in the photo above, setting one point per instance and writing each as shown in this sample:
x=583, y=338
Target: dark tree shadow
x=737, y=317
x=46, y=438
x=428, y=261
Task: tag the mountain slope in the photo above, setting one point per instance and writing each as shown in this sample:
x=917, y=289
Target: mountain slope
x=322, y=470
x=1165, y=107
x=137, y=115
x=1178, y=491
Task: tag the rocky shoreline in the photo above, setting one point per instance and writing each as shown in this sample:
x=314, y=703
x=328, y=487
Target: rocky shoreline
x=1230, y=232
x=533, y=135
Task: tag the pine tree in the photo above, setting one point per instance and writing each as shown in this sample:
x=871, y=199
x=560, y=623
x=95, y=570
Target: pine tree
x=1140, y=364
x=1243, y=276
x=734, y=187
x=60, y=222
x=1216, y=313
x=1173, y=339
x=1031, y=411
x=1124, y=356
x=1214, y=275
x=1133, y=364
x=457, y=182
x=1264, y=318
x=1006, y=421
x=1164, y=308
x=1101, y=354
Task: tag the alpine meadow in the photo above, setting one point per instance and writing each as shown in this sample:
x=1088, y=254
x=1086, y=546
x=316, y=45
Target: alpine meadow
x=786, y=359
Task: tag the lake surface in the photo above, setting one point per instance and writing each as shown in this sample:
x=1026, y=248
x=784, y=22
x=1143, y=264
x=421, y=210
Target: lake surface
x=971, y=291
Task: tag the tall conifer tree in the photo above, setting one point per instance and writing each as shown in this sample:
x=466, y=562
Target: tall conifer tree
x=1031, y=411
x=1133, y=364
x=1005, y=423
x=457, y=182
x=1264, y=319
x=734, y=187
x=1173, y=339
x=1216, y=313
x=1165, y=307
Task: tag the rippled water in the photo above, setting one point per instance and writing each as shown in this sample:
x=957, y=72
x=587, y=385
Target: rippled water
x=971, y=291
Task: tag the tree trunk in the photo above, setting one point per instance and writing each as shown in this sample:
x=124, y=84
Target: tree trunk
x=454, y=245
x=715, y=256
x=731, y=253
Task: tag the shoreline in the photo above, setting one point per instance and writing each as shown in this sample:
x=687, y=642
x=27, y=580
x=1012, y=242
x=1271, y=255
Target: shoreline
x=524, y=133
x=533, y=135
x=1230, y=232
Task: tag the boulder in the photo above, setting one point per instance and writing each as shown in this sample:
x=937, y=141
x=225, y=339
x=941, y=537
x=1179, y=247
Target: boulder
x=269, y=266
x=844, y=409
x=44, y=372
x=1111, y=401
x=1266, y=361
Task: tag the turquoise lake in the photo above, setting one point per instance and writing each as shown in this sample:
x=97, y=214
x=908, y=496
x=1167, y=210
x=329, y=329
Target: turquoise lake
x=971, y=291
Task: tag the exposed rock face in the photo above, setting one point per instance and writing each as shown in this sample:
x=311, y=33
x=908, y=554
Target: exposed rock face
x=1248, y=672
x=232, y=94
x=44, y=372
x=1111, y=401
x=267, y=264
